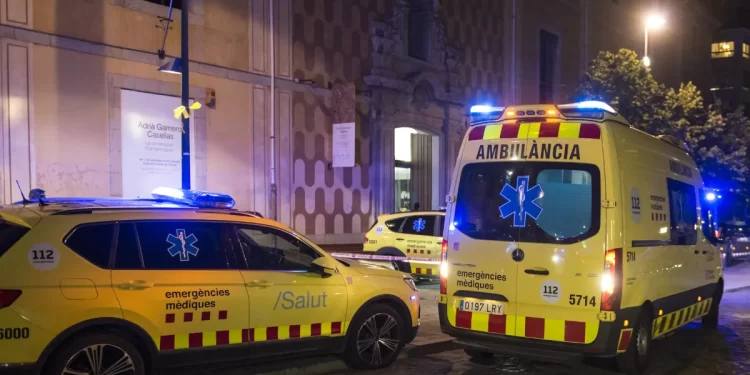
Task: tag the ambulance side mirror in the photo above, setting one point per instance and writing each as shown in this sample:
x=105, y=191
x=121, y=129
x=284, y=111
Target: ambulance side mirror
x=325, y=266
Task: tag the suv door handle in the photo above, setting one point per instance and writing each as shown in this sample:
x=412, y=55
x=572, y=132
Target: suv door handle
x=705, y=252
x=259, y=284
x=136, y=285
x=399, y=239
x=538, y=271
x=697, y=252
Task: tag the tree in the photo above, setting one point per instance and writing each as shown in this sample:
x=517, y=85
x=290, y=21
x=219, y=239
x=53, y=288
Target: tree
x=719, y=146
x=622, y=80
x=717, y=138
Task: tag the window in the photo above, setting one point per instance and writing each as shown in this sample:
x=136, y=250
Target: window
x=183, y=245
x=176, y=4
x=547, y=66
x=423, y=225
x=270, y=249
x=418, y=31
x=9, y=235
x=395, y=224
x=127, y=254
x=746, y=50
x=683, y=213
x=441, y=226
x=722, y=49
x=93, y=243
x=563, y=209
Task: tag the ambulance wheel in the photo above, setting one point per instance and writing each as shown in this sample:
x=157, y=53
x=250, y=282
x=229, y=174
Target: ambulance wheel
x=375, y=338
x=477, y=354
x=97, y=353
x=711, y=321
x=636, y=358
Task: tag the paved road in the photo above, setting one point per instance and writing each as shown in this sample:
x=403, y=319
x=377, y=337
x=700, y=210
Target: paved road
x=691, y=350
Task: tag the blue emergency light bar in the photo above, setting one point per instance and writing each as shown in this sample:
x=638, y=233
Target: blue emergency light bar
x=202, y=199
x=484, y=113
x=588, y=105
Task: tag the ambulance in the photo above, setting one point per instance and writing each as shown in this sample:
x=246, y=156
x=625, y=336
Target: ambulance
x=571, y=234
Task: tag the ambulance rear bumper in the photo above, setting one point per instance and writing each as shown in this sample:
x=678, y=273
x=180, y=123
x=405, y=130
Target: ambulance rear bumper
x=605, y=344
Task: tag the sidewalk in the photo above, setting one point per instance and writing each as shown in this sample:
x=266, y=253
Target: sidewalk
x=737, y=277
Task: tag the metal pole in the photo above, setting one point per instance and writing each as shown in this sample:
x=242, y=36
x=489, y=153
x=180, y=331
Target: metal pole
x=185, y=95
x=274, y=189
x=645, y=48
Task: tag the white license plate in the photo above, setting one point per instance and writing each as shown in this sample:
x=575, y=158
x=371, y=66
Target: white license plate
x=492, y=308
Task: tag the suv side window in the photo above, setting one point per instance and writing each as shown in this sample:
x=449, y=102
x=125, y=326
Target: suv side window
x=683, y=213
x=441, y=226
x=184, y=245
x=395, y=224
x=421, y=225
x=128, y=252
x=269, y=249
x=93, y=242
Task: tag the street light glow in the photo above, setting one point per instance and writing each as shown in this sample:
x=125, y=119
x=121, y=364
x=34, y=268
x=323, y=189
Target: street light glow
x=655, y=21
x=646, y=61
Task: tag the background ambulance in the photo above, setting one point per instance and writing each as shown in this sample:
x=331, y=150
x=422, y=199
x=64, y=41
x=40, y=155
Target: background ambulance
x=569, y=233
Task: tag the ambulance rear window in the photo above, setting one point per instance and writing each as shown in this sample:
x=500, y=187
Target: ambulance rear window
x=528, y=202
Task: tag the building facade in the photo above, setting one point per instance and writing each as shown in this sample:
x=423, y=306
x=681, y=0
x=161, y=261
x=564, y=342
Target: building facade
x=78, y=76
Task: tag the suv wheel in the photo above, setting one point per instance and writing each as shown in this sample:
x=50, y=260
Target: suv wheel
x=97, y=354
x=375, y=338
x=636, y=358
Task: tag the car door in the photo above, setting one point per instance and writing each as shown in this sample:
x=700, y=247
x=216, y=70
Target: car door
x=288, y=298
x=178, y=281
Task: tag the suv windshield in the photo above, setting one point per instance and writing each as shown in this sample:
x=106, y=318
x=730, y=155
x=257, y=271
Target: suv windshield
x=528, y=202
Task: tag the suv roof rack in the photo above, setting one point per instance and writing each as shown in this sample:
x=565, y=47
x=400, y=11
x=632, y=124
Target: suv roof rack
x=91, y=210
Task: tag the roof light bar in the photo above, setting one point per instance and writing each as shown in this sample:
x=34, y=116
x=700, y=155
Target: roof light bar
x=202, y=199
x=485, y=109
x=589, y=104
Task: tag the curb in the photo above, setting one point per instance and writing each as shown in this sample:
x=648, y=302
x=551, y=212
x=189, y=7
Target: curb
x=738, y=289
x=325, y=365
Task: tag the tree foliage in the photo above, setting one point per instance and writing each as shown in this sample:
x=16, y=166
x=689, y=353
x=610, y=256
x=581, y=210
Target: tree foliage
x=717, y=137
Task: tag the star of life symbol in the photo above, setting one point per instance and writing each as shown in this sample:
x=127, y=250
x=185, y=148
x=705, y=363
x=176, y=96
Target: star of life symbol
x=419, y=225
x=182, y=245
x=521, y=201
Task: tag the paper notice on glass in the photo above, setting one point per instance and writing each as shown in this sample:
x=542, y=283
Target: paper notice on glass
x=344, y=145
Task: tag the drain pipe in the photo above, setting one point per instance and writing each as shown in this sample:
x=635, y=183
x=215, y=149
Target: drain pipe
x=274, y=205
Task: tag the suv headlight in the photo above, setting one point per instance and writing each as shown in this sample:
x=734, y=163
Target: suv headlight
x=410, y=282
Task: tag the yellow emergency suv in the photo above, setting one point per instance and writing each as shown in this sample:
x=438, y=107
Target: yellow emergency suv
x=570, y=234
x=416, y=235
x=108, y=286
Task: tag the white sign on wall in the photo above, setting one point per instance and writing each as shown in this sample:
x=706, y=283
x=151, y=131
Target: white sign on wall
x=344, y=146
x=151, y=143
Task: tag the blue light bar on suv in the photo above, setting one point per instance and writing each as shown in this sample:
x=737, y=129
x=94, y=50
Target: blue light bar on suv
x=485, y=113
x=202, y=199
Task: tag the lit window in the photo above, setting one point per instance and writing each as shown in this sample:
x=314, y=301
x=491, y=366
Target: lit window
x=722, y=49
x=746, y=50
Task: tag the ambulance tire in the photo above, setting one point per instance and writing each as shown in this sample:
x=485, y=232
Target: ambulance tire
x=634, y=360
x=376, y=317
x=114, y=352
x=711, y=321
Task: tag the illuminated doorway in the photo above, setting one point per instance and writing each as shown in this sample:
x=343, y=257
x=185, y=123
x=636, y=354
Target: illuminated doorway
x=417, y=175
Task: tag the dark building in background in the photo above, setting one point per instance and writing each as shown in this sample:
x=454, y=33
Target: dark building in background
x=730, y=53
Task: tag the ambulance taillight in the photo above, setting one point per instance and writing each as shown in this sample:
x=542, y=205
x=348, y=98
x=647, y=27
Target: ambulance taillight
x=444, y=267
x=612, y=280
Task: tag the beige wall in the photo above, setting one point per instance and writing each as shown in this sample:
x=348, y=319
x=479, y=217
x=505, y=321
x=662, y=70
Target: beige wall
x=72, y=134
x=218, y=30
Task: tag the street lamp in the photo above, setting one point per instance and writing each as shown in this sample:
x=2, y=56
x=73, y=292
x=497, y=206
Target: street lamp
x=653, y=22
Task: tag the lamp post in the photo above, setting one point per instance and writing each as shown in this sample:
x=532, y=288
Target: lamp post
x=655, y=22
x=185, y=95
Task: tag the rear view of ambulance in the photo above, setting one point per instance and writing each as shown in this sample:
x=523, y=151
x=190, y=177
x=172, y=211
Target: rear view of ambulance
x=569, y=234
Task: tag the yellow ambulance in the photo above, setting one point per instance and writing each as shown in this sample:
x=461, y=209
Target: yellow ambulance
x=571, y=234
x=416, y=235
